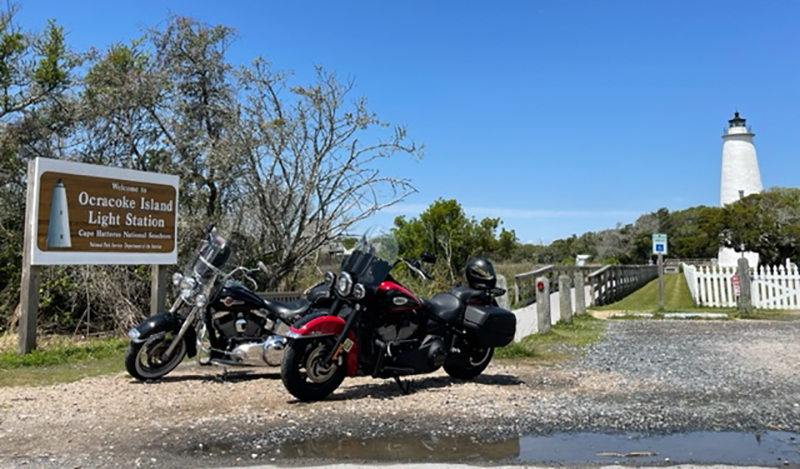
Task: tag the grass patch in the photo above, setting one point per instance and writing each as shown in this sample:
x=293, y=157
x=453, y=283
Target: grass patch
x=769, y=314
x=677, y=298
x=63, y=361
x=562, y=340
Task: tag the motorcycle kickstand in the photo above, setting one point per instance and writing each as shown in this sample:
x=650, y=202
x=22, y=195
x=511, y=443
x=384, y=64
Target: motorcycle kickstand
x=404, y=388
x=222, y=377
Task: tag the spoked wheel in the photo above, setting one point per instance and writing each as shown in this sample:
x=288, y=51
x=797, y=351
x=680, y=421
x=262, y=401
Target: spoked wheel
x=146, y=360
x=471, y=365
x=304, y=373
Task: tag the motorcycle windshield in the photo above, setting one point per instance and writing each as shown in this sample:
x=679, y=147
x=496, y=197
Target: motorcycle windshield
x=367, y=268
x=209, y=256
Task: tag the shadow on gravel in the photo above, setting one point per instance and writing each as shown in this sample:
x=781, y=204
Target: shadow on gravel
x=390, y=389
x=225, y=377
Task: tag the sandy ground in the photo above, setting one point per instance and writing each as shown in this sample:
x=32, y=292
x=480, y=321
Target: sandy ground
x=647, y=376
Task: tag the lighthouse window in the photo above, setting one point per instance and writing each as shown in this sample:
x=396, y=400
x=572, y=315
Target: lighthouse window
x=741, y=194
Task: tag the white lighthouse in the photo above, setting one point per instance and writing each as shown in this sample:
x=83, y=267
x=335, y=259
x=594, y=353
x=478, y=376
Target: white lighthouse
x=740, y=176
x=58, y=236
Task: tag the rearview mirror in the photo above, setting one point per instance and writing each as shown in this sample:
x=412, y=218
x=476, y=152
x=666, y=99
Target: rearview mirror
x=427, y=257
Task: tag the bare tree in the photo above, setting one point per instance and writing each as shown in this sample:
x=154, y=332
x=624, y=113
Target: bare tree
x=309, y=174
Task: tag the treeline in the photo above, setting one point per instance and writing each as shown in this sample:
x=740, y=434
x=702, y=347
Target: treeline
x=281, y=166
x=767, y=223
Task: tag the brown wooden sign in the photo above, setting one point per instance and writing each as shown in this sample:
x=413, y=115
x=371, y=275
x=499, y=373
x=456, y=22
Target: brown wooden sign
x=92, y=214
x=87, y=214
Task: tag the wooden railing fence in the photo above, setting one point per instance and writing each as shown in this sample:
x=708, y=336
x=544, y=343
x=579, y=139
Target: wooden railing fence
x=525, y=283
x=614, y=282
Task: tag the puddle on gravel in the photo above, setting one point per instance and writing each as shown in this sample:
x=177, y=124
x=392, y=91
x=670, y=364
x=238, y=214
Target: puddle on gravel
x=773, y=448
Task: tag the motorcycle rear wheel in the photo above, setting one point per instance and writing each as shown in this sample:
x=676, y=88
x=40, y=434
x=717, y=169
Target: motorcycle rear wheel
x=302, y=371
x=143, y=360
x=471, y=365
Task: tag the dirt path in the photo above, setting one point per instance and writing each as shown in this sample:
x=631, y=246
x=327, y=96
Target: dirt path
x=652, y=376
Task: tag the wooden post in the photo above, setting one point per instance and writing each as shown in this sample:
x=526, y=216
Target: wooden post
x=542, y=305
x=29, y=288
x=661, y=282
x=516, y=291
x=158, y=288
x=565, y=298
x=502, y=300
x=580, y=294
x=745, y=292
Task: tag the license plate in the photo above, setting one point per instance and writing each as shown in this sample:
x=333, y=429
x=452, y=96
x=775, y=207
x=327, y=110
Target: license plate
x=347, y=345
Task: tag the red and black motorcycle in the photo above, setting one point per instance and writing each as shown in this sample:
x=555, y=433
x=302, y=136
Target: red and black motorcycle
x=379, y=328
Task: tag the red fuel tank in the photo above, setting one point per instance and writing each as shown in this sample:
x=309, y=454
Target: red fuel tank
x=395, y=298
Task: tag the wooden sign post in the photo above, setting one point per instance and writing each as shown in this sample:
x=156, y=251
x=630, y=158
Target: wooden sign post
x=87, y=214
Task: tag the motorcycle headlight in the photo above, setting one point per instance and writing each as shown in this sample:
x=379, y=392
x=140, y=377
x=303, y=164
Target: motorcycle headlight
x=359, y=292
x=177, y=277
x=344, y=285
x=186, y=293
x=188, y=283
x=200, y=300
x=330, y=277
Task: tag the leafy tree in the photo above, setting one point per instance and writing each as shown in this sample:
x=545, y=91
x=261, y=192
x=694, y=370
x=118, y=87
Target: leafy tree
x=444, y=230
x=767, y=223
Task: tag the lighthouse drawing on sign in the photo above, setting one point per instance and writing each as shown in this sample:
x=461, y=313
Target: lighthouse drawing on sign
x=58, y=232
x=740, y=176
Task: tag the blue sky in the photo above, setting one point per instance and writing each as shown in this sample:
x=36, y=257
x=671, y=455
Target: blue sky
x=558, y=116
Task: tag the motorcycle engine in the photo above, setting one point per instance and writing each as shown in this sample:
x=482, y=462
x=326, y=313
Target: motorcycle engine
x=232, y=325
x=398, y=326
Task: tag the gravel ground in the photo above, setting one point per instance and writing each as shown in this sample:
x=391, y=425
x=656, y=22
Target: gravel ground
x=646, y=376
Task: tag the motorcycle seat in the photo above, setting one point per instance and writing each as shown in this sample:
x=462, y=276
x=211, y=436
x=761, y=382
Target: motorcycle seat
x=289, y=311
x=467, y=295
x=445, y=306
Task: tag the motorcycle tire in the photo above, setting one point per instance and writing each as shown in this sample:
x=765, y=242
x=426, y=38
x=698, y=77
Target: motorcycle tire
x=141, y=360
x=470, y=366
x=298, y=357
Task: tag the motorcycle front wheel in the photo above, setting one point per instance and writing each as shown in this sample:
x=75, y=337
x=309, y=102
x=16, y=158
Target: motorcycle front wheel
x=145, y=361
x=471, y=365
x=303, y=372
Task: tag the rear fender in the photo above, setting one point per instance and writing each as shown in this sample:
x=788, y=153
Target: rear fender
x=323, y=326
x=166, y=322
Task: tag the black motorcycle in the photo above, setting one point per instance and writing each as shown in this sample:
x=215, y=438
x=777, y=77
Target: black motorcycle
x=226, y=323
x=377, y=327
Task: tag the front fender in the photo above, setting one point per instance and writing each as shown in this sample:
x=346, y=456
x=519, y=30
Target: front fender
x=165, y=322
x=316, y=326
x=322, y=326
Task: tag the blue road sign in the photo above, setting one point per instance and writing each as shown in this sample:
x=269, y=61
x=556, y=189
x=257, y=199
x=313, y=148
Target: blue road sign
x=659, y=243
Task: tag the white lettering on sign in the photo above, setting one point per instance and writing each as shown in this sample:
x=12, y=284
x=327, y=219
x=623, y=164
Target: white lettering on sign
x=111, y=202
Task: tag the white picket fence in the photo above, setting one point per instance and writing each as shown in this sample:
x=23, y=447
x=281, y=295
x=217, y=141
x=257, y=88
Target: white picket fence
x=772, y=287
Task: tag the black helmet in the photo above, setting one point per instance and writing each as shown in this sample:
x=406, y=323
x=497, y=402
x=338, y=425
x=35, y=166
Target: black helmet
x=480, y=274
